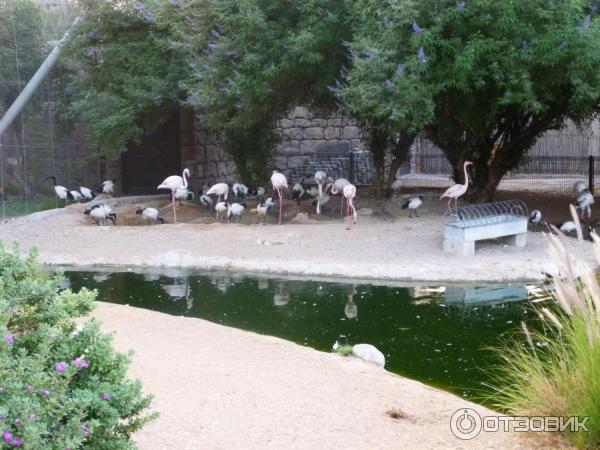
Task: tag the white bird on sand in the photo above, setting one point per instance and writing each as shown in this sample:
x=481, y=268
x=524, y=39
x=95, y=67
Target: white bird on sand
x=413, y=204
x=76, y=195
x=568, y=227
x=336, y=188
x=221, y=208
x=85, y=192
x=396, y=185
x=173, y=183
x=257, y=191
x=236, y=210
x=279, y=182
x=206, y=201
x=580, y=186
x=336, y=345
x=101, y=213
x=262, y=209
x=220, y=190
x=584, y=204
x=182, y=194
x=350, y=192
x=240, y=190
x=107, y=187
x=369, y=353
x=535, y=217
x=457, y=190
x=151, y=215
x=61, y=192
x=320, y=179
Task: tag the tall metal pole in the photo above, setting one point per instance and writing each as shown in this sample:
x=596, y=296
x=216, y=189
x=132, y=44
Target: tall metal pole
x=35, y=81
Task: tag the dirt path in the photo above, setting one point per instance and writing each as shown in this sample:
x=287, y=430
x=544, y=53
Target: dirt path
x=384, y=246
x=222, y=388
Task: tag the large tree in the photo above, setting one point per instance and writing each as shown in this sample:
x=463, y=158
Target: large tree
x=498, y=74
x=126, y=69
x=253, y=60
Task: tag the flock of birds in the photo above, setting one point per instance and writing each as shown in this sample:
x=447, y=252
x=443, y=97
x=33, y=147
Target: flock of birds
x=233, y=209
x=584, y=199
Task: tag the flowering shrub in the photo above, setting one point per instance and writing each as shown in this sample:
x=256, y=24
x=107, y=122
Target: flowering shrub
x=61, y=386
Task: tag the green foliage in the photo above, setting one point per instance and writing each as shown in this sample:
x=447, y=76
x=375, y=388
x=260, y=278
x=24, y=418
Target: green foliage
x=253, y=60
x=557, y=373
x=485, y=78
x=125, y=72
x=344, y=350
x=60, y=386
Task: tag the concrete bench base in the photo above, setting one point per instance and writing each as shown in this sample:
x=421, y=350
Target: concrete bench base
x=460, y=237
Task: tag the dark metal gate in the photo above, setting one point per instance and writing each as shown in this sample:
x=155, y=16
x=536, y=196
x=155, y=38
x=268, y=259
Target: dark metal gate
x=157, y=156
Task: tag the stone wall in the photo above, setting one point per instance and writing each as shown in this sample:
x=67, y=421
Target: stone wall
x=303, y=134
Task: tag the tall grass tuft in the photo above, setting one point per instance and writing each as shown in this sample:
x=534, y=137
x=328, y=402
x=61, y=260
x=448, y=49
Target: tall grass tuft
x=557, y=372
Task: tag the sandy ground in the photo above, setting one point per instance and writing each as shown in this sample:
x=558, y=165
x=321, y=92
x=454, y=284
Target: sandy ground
x=385, y=244
x=221, y=388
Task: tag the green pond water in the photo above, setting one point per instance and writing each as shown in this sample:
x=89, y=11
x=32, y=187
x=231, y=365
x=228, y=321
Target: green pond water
x=435, y=334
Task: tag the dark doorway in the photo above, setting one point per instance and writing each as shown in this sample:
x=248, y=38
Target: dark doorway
x=147, y=164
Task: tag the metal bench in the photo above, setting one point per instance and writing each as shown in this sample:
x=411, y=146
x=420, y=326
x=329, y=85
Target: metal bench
x=469, y=224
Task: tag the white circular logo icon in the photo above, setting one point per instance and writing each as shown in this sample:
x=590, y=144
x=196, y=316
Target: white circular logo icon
x=465, y=423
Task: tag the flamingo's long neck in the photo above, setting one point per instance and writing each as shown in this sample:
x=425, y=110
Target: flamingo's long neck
x=185, y=183
x=466, y=176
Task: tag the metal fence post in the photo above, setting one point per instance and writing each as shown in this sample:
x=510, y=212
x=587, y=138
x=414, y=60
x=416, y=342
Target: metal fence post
x=591, y=174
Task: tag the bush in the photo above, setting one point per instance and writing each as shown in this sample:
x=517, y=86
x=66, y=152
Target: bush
x=62, y=386
x=557, y=373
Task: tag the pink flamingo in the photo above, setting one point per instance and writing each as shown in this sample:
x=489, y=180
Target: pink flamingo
x=457, y=190
x=173, y=183
x=221, y=190
x=279, y=182
x=336, y=188
x=350, y=192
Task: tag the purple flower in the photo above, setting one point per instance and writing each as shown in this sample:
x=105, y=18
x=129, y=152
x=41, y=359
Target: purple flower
x=60, y=367
x=586, y=22
x=17, y=442
x=422, y=57
x=18, y=421
x=1, y=417
x=106, y=396
x=7, y=436
x=84, y=364
x=400, y=70
x=416, y=28
x=32, y=416
x=46, y=394
x=84, y=429
x=30, y=388
x=10, y=339
x=460, y=6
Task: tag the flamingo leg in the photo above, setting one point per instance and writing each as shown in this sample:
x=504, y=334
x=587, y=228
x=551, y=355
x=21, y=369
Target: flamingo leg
x=280, y=203
x=174, y=209
x=342, y=207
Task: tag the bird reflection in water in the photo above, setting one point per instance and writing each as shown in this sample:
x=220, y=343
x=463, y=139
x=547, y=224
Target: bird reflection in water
x=282, y=296
x=351, y=310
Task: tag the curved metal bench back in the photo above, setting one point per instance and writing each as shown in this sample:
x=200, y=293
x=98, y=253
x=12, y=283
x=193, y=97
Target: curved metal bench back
x=486, y=213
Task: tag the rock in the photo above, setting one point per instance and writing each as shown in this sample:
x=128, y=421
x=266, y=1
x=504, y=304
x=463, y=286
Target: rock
x=313, y=133
x=365, y=212
x=302, y=217
x=369, y=353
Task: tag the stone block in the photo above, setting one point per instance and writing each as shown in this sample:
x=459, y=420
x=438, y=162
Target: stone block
x=210, y=170
x=297, y=161
x=332, y=133
x=313, y=133
x=231, y=168
x=351, y=132
x=318, y=122
x=301, y=123
x=212, y=153
x=309, y=146
x=222, y=169
x=336, y=122
x=288, y=148
x=286, y=123
x=357, y=144
x=292, y=133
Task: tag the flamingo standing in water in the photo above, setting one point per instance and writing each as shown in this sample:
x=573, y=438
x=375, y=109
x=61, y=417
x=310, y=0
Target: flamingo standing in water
x=173, y=183
x=350, y=192
x=457, y=190
x=279, y=182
